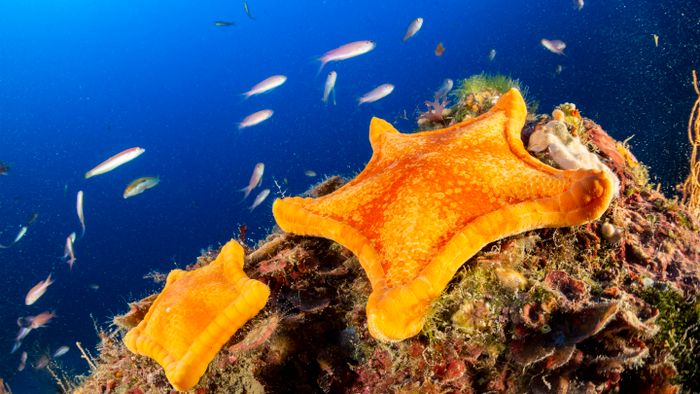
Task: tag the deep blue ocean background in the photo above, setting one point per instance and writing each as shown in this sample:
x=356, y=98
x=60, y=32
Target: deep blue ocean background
x=83, y=80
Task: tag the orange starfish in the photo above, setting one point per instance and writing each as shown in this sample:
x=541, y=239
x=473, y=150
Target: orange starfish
x=195, y=314
x=427, y=202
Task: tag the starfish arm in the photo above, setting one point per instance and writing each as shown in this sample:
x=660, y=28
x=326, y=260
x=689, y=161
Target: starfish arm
x=187, y=371
x=398, y=313
x=291, y=215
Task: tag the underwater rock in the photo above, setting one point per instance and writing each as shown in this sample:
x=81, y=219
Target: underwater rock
x=427, y=202
x=548, y=310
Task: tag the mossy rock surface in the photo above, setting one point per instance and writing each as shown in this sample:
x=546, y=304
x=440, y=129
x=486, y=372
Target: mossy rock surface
x=553, y=310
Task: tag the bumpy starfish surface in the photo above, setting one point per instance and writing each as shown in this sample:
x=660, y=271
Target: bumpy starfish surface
x=427, y=202
x=195, y=314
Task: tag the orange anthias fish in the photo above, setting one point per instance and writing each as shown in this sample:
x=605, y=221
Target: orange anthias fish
x=40, y=320
x=255, y=179
x=37, y=291
x=439, y=49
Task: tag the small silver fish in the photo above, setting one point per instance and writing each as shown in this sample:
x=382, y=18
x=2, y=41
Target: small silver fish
x=255, y=179
x=259, y=199
x=22, y=232
x=115, y=161
x=22, y=362
x=255, y=118
x=445, y=88
x=79, y=211
x=413, y=28
x=68, y=251
x=22, y=333
x=330, y=86
x=492, y=55
x=223, y=24
x=266, y=85
x=140, y=185
x=60, y=351
x=41, y=362
x=247, y=10
x=375, y=94
x=346, y=51
x=554, y=46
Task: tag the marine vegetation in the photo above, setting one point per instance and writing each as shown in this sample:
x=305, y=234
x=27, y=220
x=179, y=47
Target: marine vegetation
x=480, y=92
x=610, y=305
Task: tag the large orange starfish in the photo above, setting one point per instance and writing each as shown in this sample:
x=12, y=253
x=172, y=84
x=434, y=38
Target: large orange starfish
x=427, y=202
x=195, y=314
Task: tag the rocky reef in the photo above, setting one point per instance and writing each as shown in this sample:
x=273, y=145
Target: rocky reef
x=605, y=307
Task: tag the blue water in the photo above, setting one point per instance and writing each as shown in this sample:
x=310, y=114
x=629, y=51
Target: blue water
x=83, y=80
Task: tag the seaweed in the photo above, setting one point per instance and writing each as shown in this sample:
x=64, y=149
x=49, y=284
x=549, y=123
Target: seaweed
x=679, y=319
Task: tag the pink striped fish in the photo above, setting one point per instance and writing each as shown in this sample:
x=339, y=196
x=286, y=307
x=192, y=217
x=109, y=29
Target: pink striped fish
x=115, y=161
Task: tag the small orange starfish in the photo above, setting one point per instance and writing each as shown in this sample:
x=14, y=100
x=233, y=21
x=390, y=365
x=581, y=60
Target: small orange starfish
x=427, y=202
x=195, y=314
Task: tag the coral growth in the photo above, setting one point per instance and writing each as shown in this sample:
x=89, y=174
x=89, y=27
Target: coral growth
x=610, y=306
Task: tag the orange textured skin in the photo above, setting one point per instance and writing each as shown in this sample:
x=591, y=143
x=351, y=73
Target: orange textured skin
x=196, y=314
x=427, y=202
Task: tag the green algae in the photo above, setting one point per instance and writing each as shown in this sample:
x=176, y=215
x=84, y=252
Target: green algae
x=679, y=321
x=484, y=82
x=478, y=93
